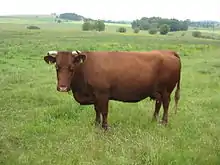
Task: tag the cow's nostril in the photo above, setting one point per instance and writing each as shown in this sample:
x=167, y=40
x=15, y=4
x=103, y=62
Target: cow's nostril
x=62, y=88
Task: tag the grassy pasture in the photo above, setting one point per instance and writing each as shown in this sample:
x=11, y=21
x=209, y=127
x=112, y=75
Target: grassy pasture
x=46, y=21
x=41, y=126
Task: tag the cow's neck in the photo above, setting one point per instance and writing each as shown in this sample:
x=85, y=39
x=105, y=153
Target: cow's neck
x=78, y=81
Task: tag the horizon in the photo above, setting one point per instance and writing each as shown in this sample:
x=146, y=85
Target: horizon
x=35, y=14
x=205, y=11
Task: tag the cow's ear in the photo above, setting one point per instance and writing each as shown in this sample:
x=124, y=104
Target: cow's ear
x=49, y=59
x=80, y=58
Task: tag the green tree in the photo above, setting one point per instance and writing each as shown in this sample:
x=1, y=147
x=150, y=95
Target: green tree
x=136, y=24
x=197, y=34
x=33, y=27
x=99, y=25
x=152, y=31
x=86, y=26
x=122, y=30
x=71, y=16
x=155, y=22
x=164, y=29
x=137, y=30
x=145, y=26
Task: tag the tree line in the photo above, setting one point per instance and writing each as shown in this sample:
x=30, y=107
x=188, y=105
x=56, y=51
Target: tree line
x=71, y=16
x=146, y=23
x=204, y=24
x=151, y=24
x=77, y=17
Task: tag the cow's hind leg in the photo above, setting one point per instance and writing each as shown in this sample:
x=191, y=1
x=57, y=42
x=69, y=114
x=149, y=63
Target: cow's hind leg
x=166, y=102
x=158, y=102
x=98, y=116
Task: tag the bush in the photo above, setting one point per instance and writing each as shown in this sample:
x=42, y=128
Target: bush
x=99, y=25
x=33, y=27
x=183, y=34
x=152, y=31
x=58, y=21
x=86, y=26
x=122, y=30
x=164, y=29
x=197, y=34
x=136, y=30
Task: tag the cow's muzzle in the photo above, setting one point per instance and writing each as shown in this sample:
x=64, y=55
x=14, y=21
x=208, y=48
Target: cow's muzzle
x=63, y=88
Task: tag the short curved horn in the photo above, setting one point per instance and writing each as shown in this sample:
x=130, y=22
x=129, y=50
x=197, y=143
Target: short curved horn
x=52, y=52
x=76, y=52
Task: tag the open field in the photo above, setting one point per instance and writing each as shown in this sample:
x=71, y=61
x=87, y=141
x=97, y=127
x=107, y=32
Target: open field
x=47, y=21
x=41, y=126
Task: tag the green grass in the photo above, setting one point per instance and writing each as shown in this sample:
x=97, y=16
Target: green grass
x=41, y=126
x=46, y=21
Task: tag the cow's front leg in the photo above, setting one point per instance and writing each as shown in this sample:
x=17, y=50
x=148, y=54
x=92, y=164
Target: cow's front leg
x=102, y=106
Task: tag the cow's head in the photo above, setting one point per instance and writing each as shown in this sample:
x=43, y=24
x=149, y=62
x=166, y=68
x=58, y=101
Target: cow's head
x=66, y=63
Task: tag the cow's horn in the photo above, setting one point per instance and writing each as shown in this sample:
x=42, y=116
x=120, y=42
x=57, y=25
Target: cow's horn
x=76, y=52
x=52, y=52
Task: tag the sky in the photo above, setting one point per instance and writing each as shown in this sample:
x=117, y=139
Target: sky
x=117, y=9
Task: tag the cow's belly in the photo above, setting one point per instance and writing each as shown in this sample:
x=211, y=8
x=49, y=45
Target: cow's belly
x=131, y=94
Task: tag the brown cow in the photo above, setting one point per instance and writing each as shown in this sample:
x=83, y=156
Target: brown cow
x=97, y=77
x=177, y=93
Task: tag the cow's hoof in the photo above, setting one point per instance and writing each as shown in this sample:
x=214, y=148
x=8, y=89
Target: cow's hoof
x=96, y=124
x=105, y=127
x=164, y=123
x=154, y=119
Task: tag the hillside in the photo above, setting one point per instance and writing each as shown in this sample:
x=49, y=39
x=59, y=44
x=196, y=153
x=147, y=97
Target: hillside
x=72, y=16
x=77, y=17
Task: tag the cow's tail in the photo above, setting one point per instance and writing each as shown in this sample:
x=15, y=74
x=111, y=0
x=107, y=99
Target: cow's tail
x=177, y=92
x=177, y=95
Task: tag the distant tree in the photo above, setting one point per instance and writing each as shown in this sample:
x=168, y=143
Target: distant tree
x=183, y=34
x=155, y=22
x=152, y=31
x=197, y=34
x=164, y=29
x=89, y=25
x=141, y=24
x=86, y=26
x=59, y=21
x=121, y=30
x=136, y=24
x=71, y=16
x=33, y=27
x=153, y=25
x=203, y=24
x=145, y=26
x=137, y=30
x=99, y=25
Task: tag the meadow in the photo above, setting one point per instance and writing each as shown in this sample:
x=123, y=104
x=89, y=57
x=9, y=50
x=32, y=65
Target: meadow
x=39, y=125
